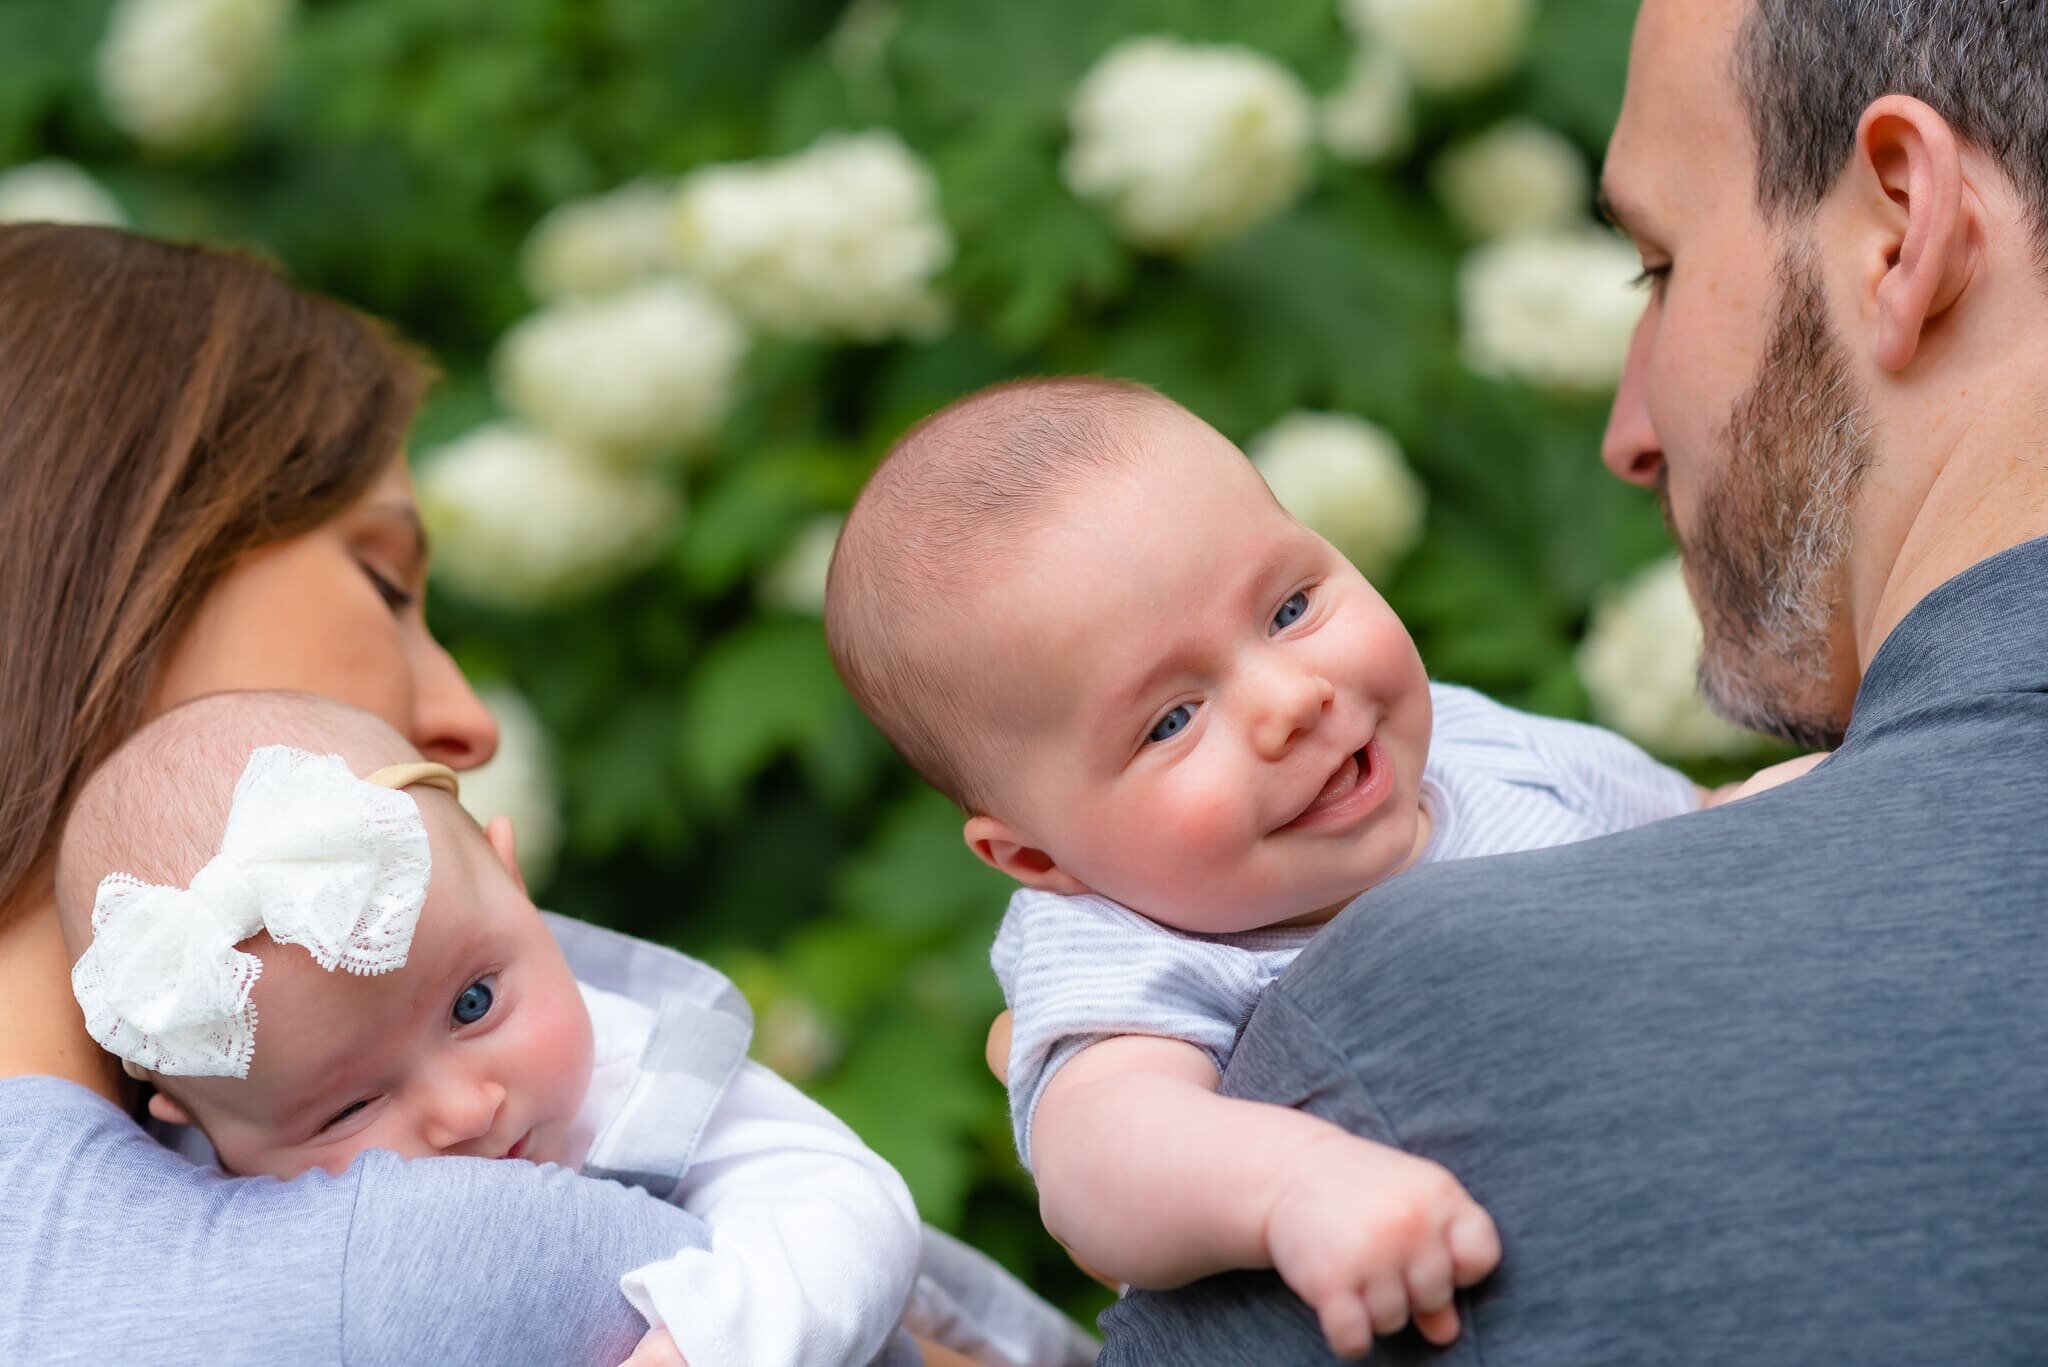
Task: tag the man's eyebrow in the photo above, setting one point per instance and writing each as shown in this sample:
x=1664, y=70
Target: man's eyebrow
x=1614, y=213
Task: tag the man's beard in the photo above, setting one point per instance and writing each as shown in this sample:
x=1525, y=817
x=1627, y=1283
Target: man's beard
x=1770, y=541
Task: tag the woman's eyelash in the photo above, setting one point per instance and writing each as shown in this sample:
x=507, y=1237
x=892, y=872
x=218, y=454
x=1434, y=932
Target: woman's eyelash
x=396, y=598
x=1649, y=276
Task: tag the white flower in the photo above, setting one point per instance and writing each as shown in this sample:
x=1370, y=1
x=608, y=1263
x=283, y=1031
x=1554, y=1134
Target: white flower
x=651, y=369
x=796, y=582
x=840, y=240
x=1555, y=309
x=1345, y=480
x=597, y=245
x=1446, y=45
x=1367, y=119
x=1517, y=177
x=1639, y=662
x=519, y=518
x=519, y=783
x=175, y=73
x=56, y=192
x=795, y=1039
x=1186, y=145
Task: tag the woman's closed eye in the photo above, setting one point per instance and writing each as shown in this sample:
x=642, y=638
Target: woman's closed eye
x=474, y=1002
x=396, y=596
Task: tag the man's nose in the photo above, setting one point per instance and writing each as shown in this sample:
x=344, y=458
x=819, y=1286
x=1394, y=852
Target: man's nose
x=462, y=1109
x=1630, y=448
x=1288, y=701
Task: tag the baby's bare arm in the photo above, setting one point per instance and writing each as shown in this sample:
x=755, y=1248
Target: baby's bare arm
x=1149, y=1176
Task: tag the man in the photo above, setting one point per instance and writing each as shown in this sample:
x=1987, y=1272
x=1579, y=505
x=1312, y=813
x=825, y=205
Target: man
x=1763, y=1084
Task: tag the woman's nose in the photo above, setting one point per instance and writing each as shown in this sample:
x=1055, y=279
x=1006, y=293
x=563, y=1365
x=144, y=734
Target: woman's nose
x=461, y=1110
x=450, y=723
x=1290, y=701
x=1630, y=447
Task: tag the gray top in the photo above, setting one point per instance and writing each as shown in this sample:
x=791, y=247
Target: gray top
x=1761, y=1084
x=114, y=1247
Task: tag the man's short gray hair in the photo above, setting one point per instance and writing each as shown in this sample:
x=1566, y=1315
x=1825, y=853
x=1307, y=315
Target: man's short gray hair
x=1807, y=69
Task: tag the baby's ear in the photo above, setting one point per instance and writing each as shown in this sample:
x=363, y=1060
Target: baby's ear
x=498, y=830
x=1006, y=850
x=169, y=1110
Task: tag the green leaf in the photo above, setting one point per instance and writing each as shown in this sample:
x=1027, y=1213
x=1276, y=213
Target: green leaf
x=917, y=875
x=760, y=691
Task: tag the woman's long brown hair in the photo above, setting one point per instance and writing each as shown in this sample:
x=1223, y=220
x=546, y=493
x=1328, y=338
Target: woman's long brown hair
x=163, y=410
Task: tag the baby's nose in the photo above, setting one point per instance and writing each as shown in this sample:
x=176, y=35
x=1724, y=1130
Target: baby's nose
x=1293, y=702
x=462, y=1112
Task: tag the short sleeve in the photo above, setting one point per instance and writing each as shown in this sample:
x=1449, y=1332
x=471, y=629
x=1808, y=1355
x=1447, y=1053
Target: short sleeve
x=1079, y=970
x=1609, y=779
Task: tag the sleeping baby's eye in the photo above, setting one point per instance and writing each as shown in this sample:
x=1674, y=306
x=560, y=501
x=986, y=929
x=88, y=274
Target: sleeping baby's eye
x=1290, y=612
x=345, y=1112
x=1172, y=724
x=474, y=1003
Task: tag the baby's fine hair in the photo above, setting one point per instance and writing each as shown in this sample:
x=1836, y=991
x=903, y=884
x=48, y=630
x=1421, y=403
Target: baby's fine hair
x=929, y=533
x=157, y=808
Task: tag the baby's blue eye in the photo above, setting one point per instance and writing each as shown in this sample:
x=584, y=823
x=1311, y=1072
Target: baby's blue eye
x=1290, y=611
x=474, y=1003
x=1172, y=724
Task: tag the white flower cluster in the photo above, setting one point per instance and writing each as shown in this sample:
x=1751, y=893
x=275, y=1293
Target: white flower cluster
x=1639, y=662
x=518, y=782
x=1517, y=177
x=1186, y=145
x=1368, y=118
x=55, y=191
x=1345, y=480
x=1554, y=309
x=177, y=73
x=1446, y=45
x=840, y=240
x=796, y=582
x=646, y=371
x=596, y=245
x=522, y=519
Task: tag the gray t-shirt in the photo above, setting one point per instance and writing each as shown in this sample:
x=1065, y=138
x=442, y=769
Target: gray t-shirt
x=1762, y=1084
x=114, y=1248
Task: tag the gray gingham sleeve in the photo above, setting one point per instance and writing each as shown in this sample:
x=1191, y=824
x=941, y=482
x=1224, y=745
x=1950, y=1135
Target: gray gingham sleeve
x=1079, y=970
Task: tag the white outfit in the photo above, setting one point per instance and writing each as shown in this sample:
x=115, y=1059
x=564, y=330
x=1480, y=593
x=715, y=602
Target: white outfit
x=1079, y=970
x=814, y=1239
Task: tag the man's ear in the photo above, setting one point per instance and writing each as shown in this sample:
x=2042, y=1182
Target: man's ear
x=1008, y=851
x=168, y=1110
x=1911, y=171
x=498, y=830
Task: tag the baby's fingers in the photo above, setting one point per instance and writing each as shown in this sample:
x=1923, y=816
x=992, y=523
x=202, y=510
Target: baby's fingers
x=1386, y=1300
x=1430, y=1288
x=1475, y=1246
x=1346, y=1325
x=1438, y=1326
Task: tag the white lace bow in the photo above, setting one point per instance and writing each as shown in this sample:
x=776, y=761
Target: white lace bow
x=312, y=854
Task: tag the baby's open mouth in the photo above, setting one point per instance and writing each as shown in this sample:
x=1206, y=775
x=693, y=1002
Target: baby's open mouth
x=1353, y=770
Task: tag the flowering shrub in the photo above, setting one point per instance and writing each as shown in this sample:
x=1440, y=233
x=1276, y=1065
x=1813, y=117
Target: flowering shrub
x=720, y=256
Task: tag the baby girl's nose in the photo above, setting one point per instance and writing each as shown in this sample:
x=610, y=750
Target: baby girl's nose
x=461, y=1113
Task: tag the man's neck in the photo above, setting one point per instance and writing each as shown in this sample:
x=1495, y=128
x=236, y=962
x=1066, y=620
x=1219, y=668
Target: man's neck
x=41, y=1030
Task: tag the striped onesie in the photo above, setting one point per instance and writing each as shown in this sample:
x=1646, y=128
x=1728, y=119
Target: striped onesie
x=1079, y=970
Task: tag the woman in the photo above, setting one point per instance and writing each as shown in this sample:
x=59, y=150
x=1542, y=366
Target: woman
x=204, y=490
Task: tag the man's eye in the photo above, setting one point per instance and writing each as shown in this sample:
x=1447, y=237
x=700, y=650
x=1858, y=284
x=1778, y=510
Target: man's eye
x=1172, y=724
x=474, y=1002
x=1290, y=612
x=345, y=1112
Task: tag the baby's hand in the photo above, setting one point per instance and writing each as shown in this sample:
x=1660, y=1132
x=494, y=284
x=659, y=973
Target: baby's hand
x=1370, y=1237
x=656, y=1349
